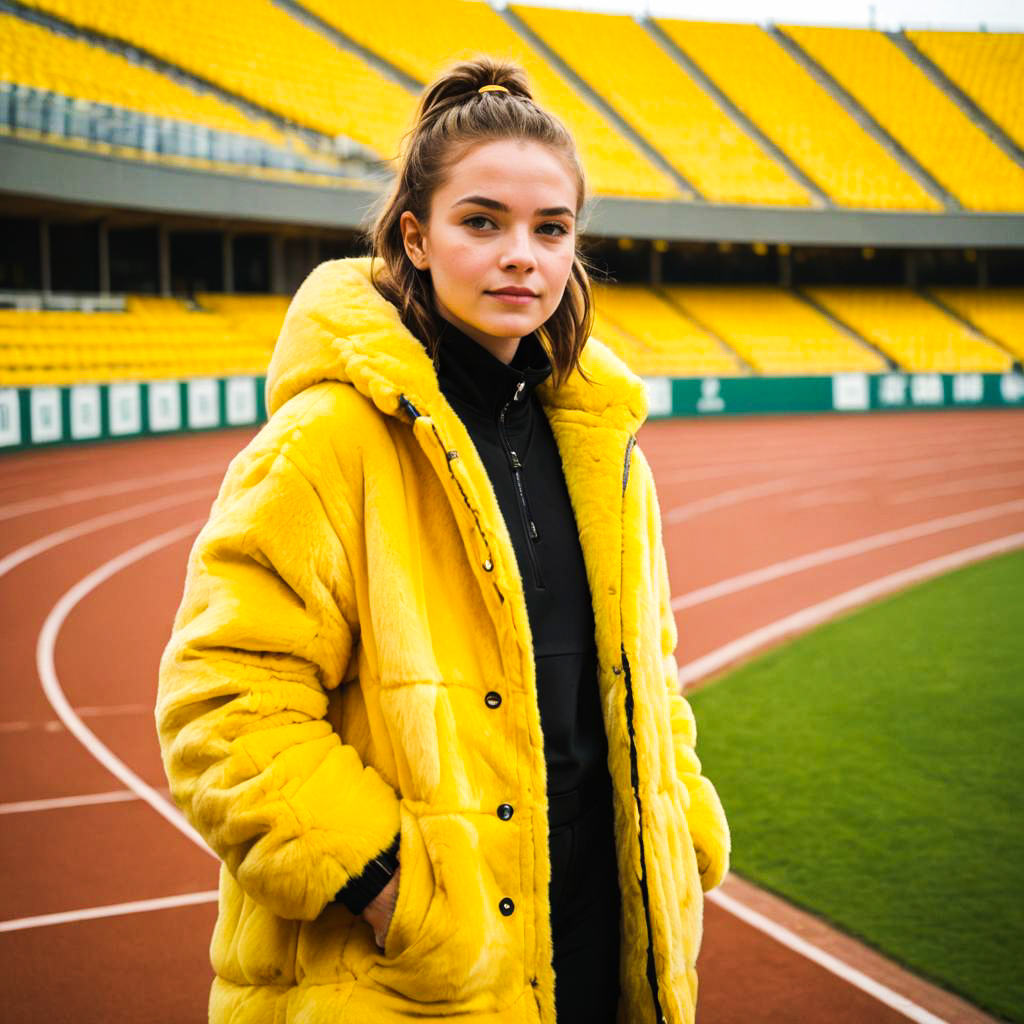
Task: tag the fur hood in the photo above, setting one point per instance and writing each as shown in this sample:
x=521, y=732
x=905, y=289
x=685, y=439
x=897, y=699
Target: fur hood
x=339, y=327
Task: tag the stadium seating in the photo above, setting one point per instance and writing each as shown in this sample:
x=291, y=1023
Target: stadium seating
x=912, y=331
x=34, y=56
x=154, y=338
x=987, y=66
x=423, y=39
x=773, y=331
x=798, y=115
x=917, y=114
x=665, y=106
x=998, y=312
x=257, y=50
x=664, y=341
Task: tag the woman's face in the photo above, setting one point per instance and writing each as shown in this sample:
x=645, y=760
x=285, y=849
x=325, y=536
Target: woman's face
x=505, y=219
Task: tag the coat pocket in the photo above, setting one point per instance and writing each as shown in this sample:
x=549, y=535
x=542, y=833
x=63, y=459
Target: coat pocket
x=449, y=944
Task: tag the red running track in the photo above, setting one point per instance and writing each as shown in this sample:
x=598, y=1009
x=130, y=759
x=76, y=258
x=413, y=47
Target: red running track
x=105, y=909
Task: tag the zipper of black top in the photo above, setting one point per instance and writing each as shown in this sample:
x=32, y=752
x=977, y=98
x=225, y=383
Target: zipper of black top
x=634, y=773
x=529, y=525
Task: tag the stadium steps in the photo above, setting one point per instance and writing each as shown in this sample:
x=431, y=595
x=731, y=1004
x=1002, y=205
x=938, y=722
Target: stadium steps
x=821, y=198
x=964, y=320
x=748, y=368
x=865, y=120
x=334, y=35
x=967, y=106
x=138, y=54
x=841, y=325
x=595, y=99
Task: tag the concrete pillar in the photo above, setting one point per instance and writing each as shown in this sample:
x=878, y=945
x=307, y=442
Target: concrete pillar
x=785, y=267
x=277, y=275
x=164, y=259
x=655, y=266
x=104, y=256
x=910, y=268
x=228, y=260
x=45, y=275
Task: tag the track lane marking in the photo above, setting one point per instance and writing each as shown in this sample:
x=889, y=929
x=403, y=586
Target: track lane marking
x=101, y=522
x=837, y=552
x=189, y=899
x=823, y=611
x=46, y=667
x=832, y=964
x=139, y=483
x=117, y=796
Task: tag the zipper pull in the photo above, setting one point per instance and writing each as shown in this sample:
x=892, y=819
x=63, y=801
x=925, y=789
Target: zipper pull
x=516, y=464
x=519, y=391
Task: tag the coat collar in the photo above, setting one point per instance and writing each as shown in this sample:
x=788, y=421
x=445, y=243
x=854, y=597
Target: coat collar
x=339, y=327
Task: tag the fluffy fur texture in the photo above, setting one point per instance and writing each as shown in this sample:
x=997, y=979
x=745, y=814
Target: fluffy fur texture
x=351, y=601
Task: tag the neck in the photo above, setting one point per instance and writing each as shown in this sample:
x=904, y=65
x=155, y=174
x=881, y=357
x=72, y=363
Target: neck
x=503, y=349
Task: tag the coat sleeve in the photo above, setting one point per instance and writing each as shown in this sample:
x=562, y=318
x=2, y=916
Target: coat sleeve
x=708, y=826
x=266, y=627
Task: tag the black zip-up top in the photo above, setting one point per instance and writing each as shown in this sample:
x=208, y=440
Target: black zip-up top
x=506, y=422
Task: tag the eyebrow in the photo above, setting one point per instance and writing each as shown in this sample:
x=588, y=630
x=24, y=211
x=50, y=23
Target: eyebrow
x=493, y=204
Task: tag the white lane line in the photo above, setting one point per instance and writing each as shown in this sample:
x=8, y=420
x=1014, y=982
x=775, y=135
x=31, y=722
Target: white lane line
x=46, y=646
x=839, y=551
x=810, y=482
x=123, y=515
x=189, y=899
x=825, y=610
x=96, y=711
x=997, y=481
x=138, y=483
x=901, y=1004
x=117, y=796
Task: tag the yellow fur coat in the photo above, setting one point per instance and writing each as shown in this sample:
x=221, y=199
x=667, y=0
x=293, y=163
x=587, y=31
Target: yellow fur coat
x=352, y=657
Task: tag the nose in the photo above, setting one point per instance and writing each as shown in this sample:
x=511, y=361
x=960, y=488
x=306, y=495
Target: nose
x=518, y=252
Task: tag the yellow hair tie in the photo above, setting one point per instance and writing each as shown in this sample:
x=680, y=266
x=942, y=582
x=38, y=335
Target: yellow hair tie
x=492, y=88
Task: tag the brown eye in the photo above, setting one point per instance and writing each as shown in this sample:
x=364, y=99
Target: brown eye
x=560, y=228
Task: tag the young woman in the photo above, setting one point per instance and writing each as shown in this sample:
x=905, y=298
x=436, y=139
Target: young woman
x=421, y=695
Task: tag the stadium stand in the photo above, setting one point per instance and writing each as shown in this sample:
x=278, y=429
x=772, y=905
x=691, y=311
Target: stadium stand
x=913, y=332
x=254, y=49
x=421, y=39
x=987, y=66
x=627, y=67
x=153, y=338
x=670, y=343
x=798, y=115
x=34, y=56
x=915, y=112
x=256, y=316
x=996, y=312
x=773, y=331
x=66, y=85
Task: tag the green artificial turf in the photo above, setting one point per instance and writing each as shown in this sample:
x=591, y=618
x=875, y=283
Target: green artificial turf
x=872, y=772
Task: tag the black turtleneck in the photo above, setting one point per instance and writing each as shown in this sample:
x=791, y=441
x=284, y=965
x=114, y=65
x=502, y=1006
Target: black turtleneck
x=506, y=422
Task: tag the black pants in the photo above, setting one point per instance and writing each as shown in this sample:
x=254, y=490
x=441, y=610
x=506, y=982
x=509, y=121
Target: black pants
x=584, y=906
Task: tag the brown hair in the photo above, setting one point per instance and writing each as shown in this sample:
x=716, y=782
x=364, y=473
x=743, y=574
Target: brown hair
x=452, y=116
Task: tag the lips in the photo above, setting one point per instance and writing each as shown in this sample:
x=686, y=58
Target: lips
x=514, y=291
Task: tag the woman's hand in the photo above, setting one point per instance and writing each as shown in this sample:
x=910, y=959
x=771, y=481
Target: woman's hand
x=381, y=909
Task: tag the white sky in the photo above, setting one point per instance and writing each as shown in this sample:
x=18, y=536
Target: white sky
x=887, y=14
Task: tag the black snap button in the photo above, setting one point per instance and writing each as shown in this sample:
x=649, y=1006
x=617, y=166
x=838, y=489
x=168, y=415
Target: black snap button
x=506, y=906
x=488, y=565
x=493, y=700
x=505, y=811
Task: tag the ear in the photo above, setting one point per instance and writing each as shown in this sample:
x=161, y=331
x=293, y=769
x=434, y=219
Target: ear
x=414, y=240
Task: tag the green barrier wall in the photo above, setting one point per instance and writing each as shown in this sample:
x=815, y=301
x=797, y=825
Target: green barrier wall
x=34, y=417
x=841, y=392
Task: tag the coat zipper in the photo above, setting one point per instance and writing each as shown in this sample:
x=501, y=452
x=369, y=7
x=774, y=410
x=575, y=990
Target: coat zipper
x=634, y=771
x=529, y=525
